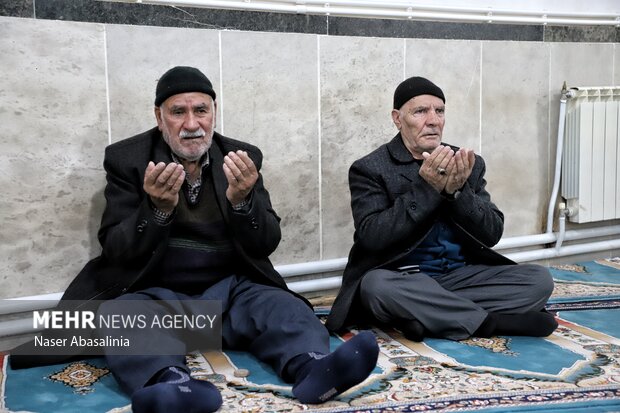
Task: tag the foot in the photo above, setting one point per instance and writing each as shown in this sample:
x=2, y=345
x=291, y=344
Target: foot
x=531, y=323
x=325, y=378
x=176, y=391
x=412, y=329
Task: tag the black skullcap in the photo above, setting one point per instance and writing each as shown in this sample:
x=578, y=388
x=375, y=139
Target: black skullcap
x=415, y=86
x=182, y=79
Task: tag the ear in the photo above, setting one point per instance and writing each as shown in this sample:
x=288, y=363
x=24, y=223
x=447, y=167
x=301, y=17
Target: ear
x=396, y=118
x=157, y=111
x=214, y=114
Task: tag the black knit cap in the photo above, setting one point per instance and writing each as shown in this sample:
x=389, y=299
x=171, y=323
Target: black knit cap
x=415, y=86
x=182, y=79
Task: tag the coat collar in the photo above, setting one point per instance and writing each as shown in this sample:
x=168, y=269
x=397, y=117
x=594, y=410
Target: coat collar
x=161, y=150
x=398, y=150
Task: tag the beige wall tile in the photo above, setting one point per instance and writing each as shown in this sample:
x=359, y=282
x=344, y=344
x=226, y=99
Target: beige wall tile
x=270, y=99
x=358, y=78
x=52, y=108
x=515, y=124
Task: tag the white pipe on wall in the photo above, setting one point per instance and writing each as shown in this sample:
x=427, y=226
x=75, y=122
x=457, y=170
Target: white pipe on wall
x=564, y=251
x=558, y=162
x=17, y=327
x=313, y=267
x=398, y=10
x=320, y=284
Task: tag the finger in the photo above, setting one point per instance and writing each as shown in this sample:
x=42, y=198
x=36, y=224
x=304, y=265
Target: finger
x=243, y=164
x=174, y=177
x=248, y=163
x=178, y=183
x=149, y=168
x=440, y=166
x=163, y=177
x=152, y=172
x=451, y=168
x=230, y=176
x=460, y=161
x=430, y=160
x=443, y=157
x=471, y=157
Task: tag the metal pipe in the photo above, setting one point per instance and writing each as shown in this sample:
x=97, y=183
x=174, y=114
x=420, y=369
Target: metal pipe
x=313, y=267
x=525, y=241
x=23, y=304
x=558, y=160
x=16, y=327
x=562, y=231
x=571, y=235
x=439, y=8
x=400, y=11
x=526, y=256
x=320, y=284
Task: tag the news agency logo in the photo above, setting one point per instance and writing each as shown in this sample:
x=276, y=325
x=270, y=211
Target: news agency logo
x=50, y=319
x=57, y=319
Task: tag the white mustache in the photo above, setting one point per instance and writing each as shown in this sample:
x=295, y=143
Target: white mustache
x=196, y=134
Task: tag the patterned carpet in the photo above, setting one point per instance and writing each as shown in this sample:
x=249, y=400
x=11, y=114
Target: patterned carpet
x=577, y=369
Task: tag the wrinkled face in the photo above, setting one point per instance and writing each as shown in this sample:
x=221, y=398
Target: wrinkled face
x=187, y=123
x=420, y=122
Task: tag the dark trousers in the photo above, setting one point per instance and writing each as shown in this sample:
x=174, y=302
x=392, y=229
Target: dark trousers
x=455, y=304
x=269, y=322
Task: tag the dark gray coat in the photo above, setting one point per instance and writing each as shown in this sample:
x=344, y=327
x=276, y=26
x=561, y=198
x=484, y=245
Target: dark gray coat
x=133, y=244
x=393, y=211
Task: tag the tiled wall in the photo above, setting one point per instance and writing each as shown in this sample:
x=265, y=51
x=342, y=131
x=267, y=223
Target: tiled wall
x=313, y=102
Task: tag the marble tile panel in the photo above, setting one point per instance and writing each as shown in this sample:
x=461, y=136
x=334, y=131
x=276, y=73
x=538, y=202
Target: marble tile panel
x=350, y=26
x=53, y=112
x=135, y=66
x=270, y=99
x=178, y=16
x=515, y=125
x=588, y=34
x=616, y=78
x=453, y=65
x=358, y=78
x=578, y=64
x=17, y=8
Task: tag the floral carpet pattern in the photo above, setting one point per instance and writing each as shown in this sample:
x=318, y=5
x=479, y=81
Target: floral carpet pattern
x=576, y=369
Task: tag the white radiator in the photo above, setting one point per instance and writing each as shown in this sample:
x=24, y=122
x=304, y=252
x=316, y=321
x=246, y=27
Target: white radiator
x=590, y=162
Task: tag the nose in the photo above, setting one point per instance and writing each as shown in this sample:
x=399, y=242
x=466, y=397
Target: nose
x=432, y=118
x=191, y=122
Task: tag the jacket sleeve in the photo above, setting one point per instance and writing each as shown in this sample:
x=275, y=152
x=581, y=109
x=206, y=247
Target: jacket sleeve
x=474, y=211
x=257, y=229
x=128, y=233
x=384, y=218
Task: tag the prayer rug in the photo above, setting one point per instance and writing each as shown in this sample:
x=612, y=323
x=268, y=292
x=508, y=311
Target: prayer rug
x=576, y=369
